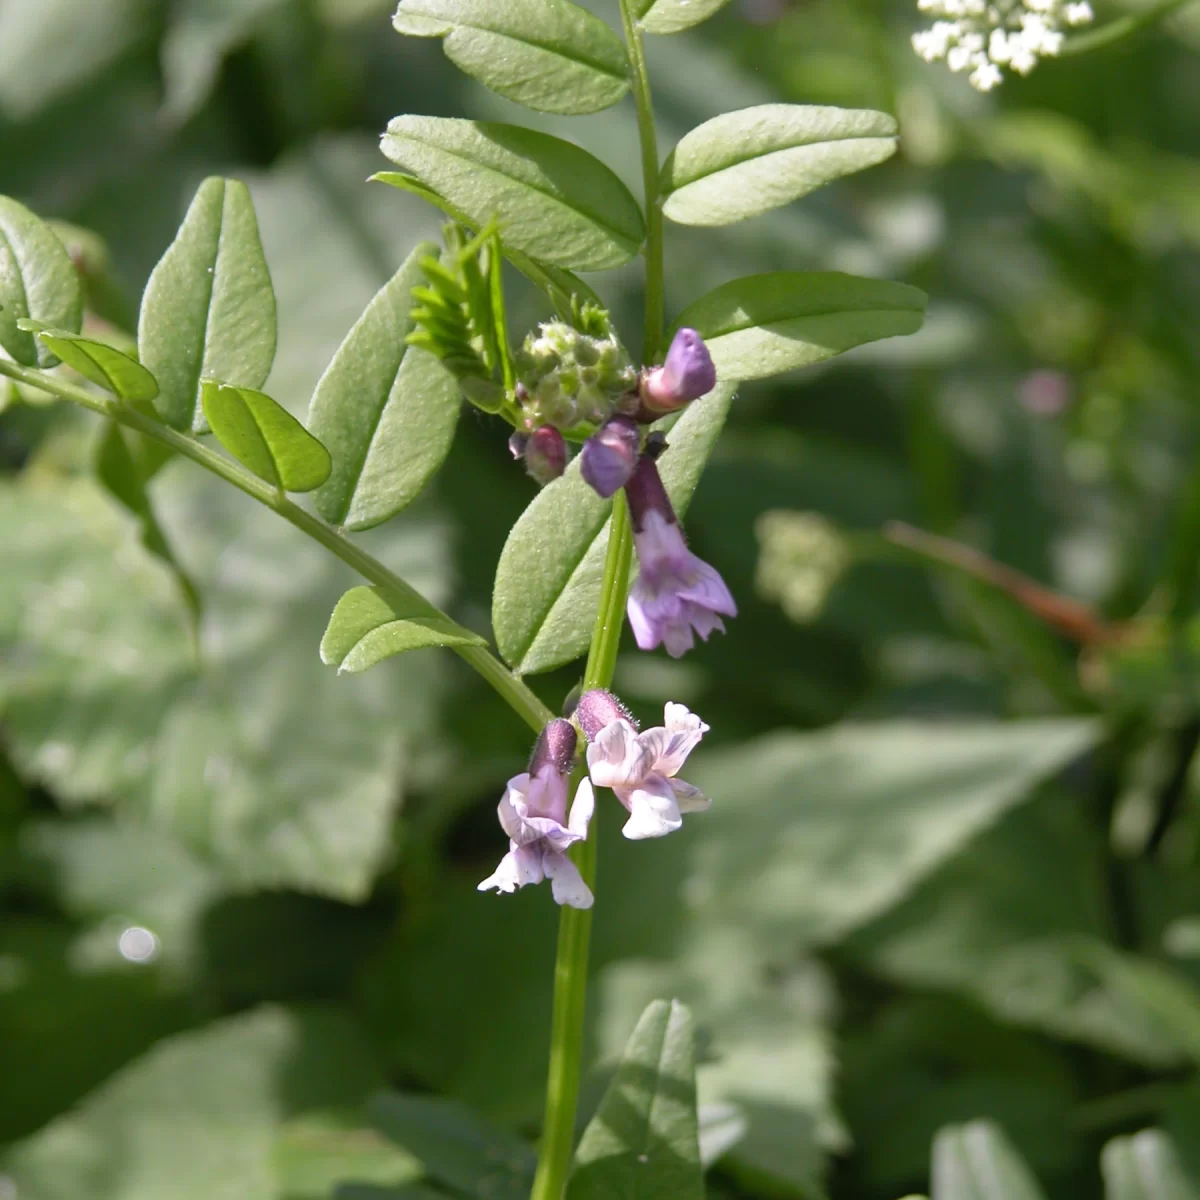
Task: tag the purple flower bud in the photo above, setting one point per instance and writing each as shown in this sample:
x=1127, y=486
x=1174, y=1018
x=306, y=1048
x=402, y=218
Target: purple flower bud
x=555, y=748
x=545, y=454
x=597, y=709
x=517, y=442
x=610, y=455
x=687, y=375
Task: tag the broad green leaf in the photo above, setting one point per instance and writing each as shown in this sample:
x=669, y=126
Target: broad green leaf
x=643, y=1140
x=554, y=201
x=208, y=311
x=315, y=1153
x=366, y=628
x=386, y=410
x=37, y=280
x=672, y=16
x=747, y=162
x=104, y=365
x=196, y=1116
x=549, y=574
x=549, y=55
x=977, y=1162
x=455, y=1146
x=1146, y=1166
x=763, y=325
x=264, y=437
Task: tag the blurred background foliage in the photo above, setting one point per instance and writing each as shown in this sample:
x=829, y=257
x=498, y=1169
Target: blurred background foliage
x=951, y=873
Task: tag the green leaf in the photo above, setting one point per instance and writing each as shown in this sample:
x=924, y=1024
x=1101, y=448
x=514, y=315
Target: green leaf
x=550, y=55
x=208, y=311
x=366, y=628
x=554, y=201
x=976, y=1162
x=747, y=162
x=264, y=437
x=37, y=279
x=386, y=410
x=672, y=16
x=196, y=1116
x=643, y=1140
x=104, y=365
x=763, y=325
x=454, y=1146
x=1146, y=1166
x=549, y=574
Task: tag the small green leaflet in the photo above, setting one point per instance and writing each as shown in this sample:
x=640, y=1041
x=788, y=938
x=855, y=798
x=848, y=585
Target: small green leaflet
x=208, y=311
x=977, y=1162
x=552, y=200
x=643, y=1139
x=263, y=436
x=763, y=325
x=366, y=628
x=386, y=410
x=1146, y=1166
x=37, y=280
x=747, y=162
x=550, y=55
x=673, y=16
x=105, y=365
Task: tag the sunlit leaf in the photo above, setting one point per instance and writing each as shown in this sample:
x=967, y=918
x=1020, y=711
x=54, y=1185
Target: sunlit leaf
x=672, y=16
x=1146, y=1166
x=763, y=325
x=548, y=579
x=977, y=1162
x=37, y=280
x=264, y=437
x=747, y=162
x=550, y=55
x=554, y=201
x=386, y=410
x=104, y=365
x=643, y=1140
x=208, y=311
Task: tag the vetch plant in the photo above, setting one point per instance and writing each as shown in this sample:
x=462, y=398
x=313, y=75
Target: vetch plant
x=383, y=415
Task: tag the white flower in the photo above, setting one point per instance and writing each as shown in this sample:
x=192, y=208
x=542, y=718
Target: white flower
x=641, y=768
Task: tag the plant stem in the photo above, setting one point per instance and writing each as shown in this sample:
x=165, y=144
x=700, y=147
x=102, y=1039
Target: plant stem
x=1116, y=31
x=518, y=696
x=653, y=251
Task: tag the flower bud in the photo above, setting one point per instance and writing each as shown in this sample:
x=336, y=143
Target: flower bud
x=555, y=747
x=687, y=375
x=597, y=709
x=610, y=455
x=517, y=444
x=545, y=454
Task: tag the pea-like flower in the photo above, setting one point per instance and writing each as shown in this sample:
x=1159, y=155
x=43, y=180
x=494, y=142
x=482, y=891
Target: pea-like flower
x=687, y=374
x=533, y=812
x=676, y=595
x=641, y=768
x=610, y=455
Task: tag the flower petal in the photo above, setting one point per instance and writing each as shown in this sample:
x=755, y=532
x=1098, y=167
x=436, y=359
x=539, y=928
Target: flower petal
x=690, y=799
x=653, y=810
x=678, y=638
x=550, y=832
x=582, y=809
x=512, y=808
x=669, y=747
x=547, y=794
x=704, y=586
x=521, y=865
x=566, y=883
x=616, y=757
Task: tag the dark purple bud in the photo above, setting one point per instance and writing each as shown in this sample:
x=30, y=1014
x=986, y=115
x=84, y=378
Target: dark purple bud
x=517, y=443
x=545, y=454
x=610, y=455
x=599, y=708
x=687, y=375
x=555, y=747
x=646, y=494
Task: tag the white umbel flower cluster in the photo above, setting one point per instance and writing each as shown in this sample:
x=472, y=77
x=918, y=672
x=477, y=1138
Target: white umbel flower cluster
x=981, y=36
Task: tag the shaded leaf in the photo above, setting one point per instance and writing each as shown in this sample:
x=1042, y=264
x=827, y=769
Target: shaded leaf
x=643, y=1140
x=386, y=410
x=548, y=578
x=104, y=365
x=549, y=55
x=456, y=1147
x=366, y=628
x=1146, y=1166
x=554, y=201
x=37, y=280
x=315, y=1153
x=744, y=163
x=208, y=311
x=977, y=1162
x=264, y=437
x=763, y=325
x=672, y=16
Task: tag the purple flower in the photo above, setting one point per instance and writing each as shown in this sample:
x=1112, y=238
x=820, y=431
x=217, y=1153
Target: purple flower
x=545, y=454
x=533, y=812
x=610, y=455
x=676, y=594
x=641, y=767
x=687, y=375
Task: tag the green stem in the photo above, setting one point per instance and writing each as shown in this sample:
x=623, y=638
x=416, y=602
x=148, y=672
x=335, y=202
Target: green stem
x=1116, y=31
x=518, y=696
